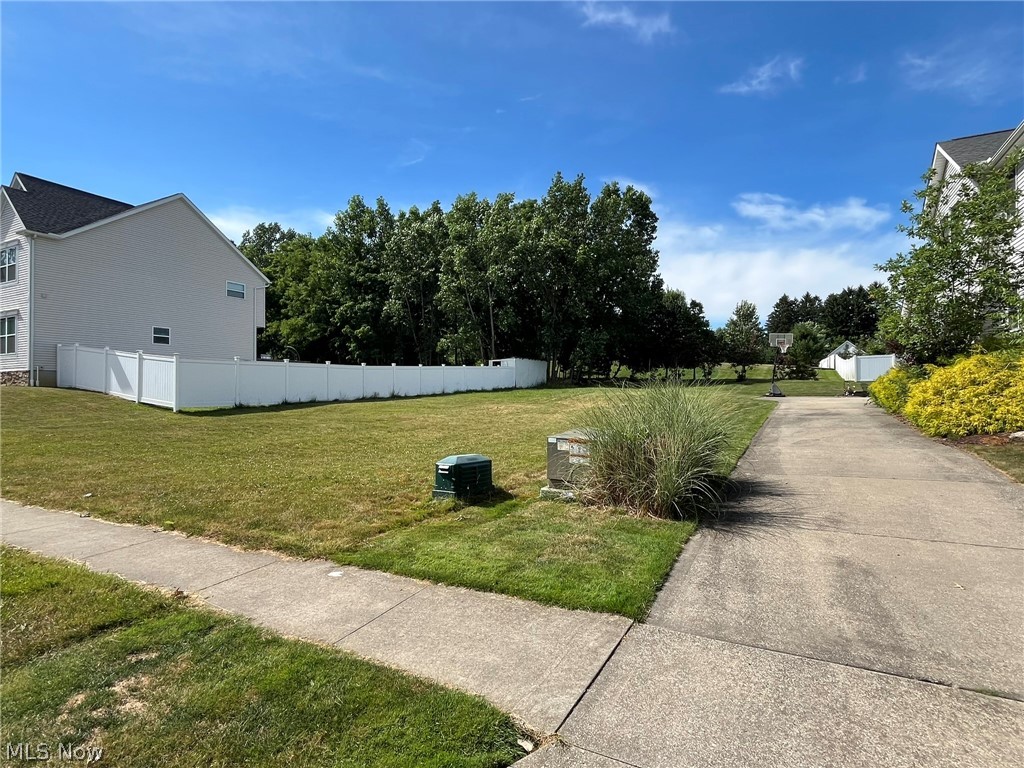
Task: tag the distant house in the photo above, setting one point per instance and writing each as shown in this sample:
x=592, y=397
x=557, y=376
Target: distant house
x=79, y=268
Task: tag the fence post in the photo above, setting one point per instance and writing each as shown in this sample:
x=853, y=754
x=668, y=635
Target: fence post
x=393, y=378
x=237, y=401
x=327, y=381
x=176, y=399
x=106, y=370
x=74, y=370
x=287, y=380
x=138, y=375
x=419, y=387
x=363, y=385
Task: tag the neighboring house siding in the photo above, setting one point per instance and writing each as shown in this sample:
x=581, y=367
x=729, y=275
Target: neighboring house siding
x=164, y=267
x=14, y=296
x=1018, y=240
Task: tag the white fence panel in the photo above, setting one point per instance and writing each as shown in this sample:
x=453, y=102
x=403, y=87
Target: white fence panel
x=847, y=369
x=177, y=383
x=454, y=378
x=346, y=382
x=206, y=383
x=864, y=367
x=870, y=367
x=122, y=374
x=378, y=381
x=407, y=380
x=91, y=369
x=432, y=380
x=306, y=381
x=478, y=378
x=65, y=365
x=261, y=383
x=158, y=380
x=530, y=373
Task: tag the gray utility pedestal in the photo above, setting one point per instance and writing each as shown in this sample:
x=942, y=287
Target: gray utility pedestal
x=568, y=458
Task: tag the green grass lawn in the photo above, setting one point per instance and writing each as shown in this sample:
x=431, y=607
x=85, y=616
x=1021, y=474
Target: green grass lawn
x=351, y=482
x=92, y=661
x=1009, y=458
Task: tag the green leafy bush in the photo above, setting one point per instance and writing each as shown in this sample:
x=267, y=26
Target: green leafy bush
x=977, y=395
x=892, y=390
x=660, y=450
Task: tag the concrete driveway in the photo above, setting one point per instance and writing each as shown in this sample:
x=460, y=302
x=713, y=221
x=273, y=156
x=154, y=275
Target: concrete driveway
x=860, y=604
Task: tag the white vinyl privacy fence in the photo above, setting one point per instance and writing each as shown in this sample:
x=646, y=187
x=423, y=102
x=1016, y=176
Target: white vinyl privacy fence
x=860, y=367
x=176, y=382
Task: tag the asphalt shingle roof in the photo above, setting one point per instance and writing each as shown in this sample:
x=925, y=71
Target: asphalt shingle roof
x=974, y=149
x=45, y=206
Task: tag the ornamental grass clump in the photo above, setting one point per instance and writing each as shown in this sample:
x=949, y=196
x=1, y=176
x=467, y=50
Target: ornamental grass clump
x=660, y=450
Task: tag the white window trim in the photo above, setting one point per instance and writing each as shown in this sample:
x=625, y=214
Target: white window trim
x=16, y=245
x=162, y=328
x=227, y=289
x=13, y=316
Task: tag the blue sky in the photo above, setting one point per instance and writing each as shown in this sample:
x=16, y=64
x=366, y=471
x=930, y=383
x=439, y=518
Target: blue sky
x=777, y=139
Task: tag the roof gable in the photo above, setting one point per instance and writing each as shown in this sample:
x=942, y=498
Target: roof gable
x=44, y=206
x=974, y=149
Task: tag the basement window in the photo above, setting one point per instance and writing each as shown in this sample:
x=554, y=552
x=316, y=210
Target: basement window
x=236, y=290
x=161, y=335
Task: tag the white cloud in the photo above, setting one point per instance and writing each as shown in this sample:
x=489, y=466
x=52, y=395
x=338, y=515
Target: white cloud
x=234, y=220
x=778, y=212
x=768, y=78
x=415, y=152
x=978, y=68
x=720, y=263
x=646, y=28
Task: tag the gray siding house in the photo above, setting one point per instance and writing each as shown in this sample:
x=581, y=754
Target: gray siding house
x=79, y=268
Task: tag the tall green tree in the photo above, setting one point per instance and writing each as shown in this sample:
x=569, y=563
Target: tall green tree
x=850, y=314
x=465, y=289
x=784, y=315
x=743, y=339
x=809, y=347
x=808, y=309
x=412, y=257
x=960, y=280
x=618, y=287
x=349, y=276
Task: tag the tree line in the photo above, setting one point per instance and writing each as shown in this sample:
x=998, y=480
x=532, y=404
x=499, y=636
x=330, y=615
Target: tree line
x=570, y=278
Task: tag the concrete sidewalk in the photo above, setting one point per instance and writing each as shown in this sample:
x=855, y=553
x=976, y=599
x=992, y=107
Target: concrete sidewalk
x=531, y=660
x=857, y=606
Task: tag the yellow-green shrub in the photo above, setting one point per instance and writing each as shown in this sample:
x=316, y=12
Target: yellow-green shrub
x=891, y=390
x=978, y=395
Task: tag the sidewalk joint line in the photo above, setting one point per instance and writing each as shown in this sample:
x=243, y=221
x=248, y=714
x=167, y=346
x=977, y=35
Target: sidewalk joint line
x=593, y=679
x=236, y=576
x=382, y=613
x=848, y=665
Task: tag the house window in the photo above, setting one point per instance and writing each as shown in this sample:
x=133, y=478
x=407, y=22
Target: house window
x=8, y=263
x=236, y=290
x=8, y=335
x=161, y=335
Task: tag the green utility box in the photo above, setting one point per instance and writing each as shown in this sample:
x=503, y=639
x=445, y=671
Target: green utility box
x=463, y=477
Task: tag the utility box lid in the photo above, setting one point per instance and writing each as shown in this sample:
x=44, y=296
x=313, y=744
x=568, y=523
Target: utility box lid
x=463, y=458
